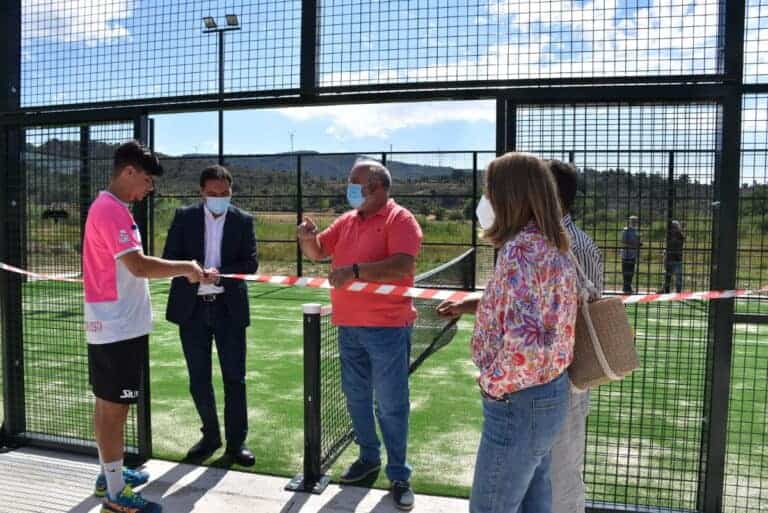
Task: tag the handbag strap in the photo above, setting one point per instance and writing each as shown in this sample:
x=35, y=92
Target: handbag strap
x=587, y=290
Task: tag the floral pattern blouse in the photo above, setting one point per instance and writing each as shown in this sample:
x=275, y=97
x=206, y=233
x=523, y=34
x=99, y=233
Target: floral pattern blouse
x=524, y=329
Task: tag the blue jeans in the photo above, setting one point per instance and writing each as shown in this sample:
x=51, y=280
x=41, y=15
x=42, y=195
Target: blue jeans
x=374, y=362
x=513, y=461
x=568, y=458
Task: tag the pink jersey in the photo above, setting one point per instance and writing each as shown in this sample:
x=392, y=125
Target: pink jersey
x=117, y=303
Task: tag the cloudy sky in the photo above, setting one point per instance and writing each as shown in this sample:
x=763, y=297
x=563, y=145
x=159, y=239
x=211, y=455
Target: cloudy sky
x=110, y=50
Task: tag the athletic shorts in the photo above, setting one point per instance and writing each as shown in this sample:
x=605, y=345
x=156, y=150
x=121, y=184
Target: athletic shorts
x=116, y=370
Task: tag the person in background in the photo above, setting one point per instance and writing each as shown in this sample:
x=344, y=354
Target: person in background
x=221, y=236
x=376, y=241
x=523, y=337
x=118, y=317
x=630, y=251
x=673, y=257
x=568, y=451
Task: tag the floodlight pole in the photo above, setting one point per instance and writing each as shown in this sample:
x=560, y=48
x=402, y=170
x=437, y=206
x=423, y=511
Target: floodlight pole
x=221, y=97
x=220, y=32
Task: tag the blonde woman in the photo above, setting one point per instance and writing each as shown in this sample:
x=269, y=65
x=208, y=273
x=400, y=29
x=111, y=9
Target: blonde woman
x=523, y=337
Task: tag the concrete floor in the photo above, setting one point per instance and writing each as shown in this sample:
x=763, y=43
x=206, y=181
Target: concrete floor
x=37, y=481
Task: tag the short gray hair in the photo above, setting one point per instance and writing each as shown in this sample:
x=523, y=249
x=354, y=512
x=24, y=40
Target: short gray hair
x=377, y=170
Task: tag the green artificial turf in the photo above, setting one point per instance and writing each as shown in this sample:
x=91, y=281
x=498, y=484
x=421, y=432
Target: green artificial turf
x=644, y=437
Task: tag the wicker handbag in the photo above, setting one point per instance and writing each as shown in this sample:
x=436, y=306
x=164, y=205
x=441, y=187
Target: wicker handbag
x=604, y=350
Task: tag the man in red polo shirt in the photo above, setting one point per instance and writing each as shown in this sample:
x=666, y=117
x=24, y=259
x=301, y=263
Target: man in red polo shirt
x=377, y=241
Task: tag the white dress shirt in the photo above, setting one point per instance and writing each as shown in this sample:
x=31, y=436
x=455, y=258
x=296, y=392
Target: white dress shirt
x=214, y=231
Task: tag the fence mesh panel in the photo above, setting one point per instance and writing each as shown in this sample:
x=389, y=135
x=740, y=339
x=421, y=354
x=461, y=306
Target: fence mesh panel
x=397, y=42
x=755, y=41
x=437, y=187
x=746, y=472
x=61, y=174
x=83, y=52
x=656, y=162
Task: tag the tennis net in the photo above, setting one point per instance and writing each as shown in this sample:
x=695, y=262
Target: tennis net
x=327, y=425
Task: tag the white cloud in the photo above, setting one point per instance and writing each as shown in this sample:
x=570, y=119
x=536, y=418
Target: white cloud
x=381, y=120
x=75, y=21
x=568, y=38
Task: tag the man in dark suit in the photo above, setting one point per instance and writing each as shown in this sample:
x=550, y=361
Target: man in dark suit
x=221, y=237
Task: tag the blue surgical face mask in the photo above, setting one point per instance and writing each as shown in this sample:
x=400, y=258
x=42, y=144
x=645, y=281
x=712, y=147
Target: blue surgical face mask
x=217, y=206
x=355, y=195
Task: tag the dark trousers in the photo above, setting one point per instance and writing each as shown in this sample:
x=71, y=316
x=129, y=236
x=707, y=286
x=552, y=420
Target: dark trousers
x=673, y=268
x=628, y=266
x=212, y=321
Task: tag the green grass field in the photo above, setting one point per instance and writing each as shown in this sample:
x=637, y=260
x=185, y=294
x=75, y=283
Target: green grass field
x=644, y=433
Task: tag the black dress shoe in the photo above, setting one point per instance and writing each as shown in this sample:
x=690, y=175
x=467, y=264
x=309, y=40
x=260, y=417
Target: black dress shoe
x=242, y=456
x=203, y=449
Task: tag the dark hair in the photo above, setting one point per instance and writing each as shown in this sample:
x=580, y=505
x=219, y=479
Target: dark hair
x=567, y=182
x=133, y=153
x=215, y=172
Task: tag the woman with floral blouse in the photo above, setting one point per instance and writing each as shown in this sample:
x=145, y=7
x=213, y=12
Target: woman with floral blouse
x=523, y=337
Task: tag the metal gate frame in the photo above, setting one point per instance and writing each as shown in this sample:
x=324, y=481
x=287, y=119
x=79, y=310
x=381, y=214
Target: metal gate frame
x=12, y=251
x=726, y=88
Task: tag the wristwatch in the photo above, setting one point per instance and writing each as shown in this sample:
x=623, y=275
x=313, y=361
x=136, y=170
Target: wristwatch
x=356, y=271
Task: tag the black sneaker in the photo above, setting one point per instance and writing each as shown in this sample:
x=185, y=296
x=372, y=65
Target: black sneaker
x=402, y=494
x=358, y=471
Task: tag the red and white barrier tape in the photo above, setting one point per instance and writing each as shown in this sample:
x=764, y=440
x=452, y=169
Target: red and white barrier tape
x=69, y=277
x=415, y=292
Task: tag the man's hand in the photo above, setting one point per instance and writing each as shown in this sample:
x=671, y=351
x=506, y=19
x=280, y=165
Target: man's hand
x=194, y=272
x=210, y=276
x=307, y=230
x=449, y=309
x=454, y=309
x=341, y=276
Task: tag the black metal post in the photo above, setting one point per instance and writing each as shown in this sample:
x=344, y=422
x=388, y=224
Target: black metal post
x=506, y=134
x=152, y=197
x=10, y=56
x=11, y=252
x=299, y=216
x=85, y=176
x=312, y=480
x=4, y=276
x=474, y=221
x=12, y=226
x=502, y=127
x=671, y=192
x=143, y=409
x=309, y=48
x=724, y=264
x=221, y=97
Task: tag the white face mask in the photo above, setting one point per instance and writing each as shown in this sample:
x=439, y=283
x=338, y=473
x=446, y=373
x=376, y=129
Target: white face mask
x=485, y=213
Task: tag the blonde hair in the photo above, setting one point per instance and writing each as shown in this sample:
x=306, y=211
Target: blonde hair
x=521, y=188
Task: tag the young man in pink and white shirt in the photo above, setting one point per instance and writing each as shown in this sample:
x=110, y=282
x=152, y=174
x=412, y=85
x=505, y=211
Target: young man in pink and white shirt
x=118, y=317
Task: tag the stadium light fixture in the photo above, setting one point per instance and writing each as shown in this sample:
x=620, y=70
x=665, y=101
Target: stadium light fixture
x=211, y=27
x=209, y=22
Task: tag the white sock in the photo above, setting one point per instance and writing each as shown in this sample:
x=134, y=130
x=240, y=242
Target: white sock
x=114, y=473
